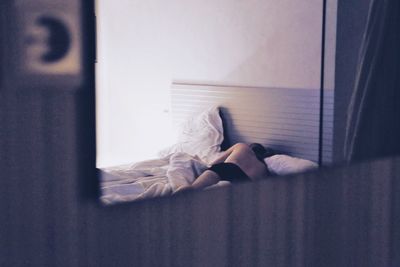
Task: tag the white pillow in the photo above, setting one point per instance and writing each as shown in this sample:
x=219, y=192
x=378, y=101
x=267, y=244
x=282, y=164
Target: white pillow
x=201, y=135
x=284, y=164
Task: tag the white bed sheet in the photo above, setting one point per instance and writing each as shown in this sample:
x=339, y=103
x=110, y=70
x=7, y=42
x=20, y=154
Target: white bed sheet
x=151, y=178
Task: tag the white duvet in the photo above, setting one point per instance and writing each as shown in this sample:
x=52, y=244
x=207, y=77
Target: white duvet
x=161, y=177
x=151, y=178
x=198, y=143
x=201, y=136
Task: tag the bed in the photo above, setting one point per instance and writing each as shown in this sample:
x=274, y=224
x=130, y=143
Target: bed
x=211, y=118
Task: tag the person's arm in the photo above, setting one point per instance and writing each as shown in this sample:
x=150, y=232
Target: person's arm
x=207, y=178
x=223, y=156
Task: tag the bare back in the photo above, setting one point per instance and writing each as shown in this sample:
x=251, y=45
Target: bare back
x=243, y=156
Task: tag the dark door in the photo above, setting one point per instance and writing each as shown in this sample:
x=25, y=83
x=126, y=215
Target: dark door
x=47, y=132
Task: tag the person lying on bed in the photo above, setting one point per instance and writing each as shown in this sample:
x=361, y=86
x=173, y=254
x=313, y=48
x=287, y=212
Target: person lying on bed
x=239, y=163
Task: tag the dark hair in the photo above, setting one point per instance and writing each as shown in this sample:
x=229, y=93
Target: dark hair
x=261, y=152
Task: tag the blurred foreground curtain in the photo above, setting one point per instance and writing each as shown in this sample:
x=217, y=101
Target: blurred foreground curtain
x=374, y=110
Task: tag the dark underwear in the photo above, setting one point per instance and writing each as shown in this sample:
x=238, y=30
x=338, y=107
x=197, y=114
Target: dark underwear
x=229, y=172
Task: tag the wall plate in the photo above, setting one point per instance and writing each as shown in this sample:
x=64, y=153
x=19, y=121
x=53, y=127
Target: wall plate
x=48, y=42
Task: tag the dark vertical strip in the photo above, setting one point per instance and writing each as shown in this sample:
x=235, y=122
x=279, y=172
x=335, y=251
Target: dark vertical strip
x=86, y=107
x=394, y=255
x=255, y=228
x=49, y=181
x=321, y=100
x=5, y=196
x=37, y=170
x=209, y=208
x=230, y=226
x=275, y=225
x=380, y=215
x=309, y=222
x=87, y=198
x=282, y=232
x=266, y=220
x=290, y=225
x=3, y=31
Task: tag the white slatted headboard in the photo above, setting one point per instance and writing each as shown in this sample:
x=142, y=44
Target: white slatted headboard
x=286, y=120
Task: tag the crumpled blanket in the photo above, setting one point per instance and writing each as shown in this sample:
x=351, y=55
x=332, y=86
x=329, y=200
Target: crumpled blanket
x=150, y=178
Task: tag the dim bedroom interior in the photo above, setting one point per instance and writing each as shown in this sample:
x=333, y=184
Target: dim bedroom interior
x=208, y=117
x=174, y=84
x=265, y=82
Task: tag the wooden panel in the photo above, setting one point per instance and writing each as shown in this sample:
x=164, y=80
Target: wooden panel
x=284, y=119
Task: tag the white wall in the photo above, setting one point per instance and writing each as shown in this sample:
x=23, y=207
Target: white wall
x=144, y=45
